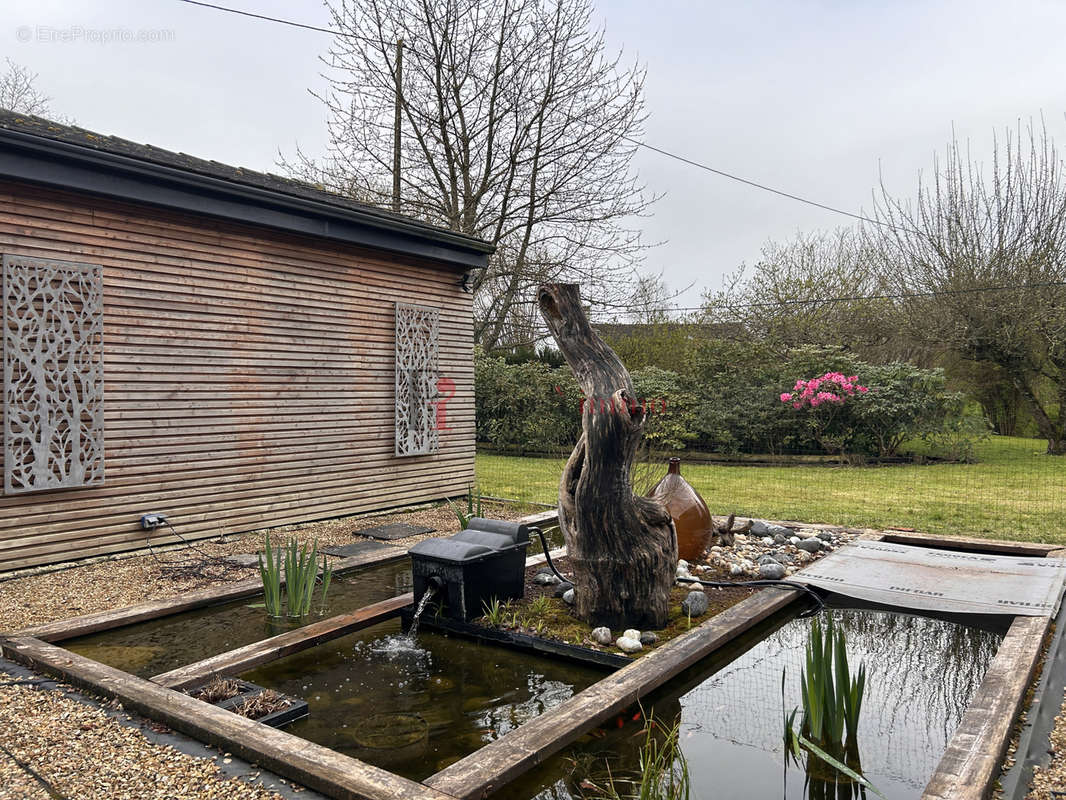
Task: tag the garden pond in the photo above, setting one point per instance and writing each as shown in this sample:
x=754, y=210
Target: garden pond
x=414, y=707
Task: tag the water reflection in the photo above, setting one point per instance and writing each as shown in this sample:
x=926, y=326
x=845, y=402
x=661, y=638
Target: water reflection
x=922, y=673
x=156, y=646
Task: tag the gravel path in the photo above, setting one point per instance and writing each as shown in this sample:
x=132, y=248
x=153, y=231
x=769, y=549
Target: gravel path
x=122, y=581
x=1049, y=783
x=52, y=746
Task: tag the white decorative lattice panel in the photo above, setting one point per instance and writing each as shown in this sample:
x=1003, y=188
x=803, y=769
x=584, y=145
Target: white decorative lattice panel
x=417, y=334
x=53, y=374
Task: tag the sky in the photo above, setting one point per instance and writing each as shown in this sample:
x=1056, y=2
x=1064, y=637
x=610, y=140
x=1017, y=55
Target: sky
x=819, y=99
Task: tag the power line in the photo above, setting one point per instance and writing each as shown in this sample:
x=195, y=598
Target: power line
x=636, y=142
x=831, y=300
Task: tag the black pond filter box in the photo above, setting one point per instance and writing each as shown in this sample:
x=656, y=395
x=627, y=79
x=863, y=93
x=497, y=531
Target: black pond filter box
x=469, y=570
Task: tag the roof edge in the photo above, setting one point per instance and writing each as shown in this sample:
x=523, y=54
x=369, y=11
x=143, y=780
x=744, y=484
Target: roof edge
x=53, y=162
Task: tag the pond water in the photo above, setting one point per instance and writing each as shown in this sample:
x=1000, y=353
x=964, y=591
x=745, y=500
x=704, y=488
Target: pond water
x=150, y=648
x=414, y=707
x=922, y=673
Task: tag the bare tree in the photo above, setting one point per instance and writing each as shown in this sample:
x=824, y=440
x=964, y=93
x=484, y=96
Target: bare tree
x=19, y=94
x=817, y=289
x=516, y=127
x=983, y=257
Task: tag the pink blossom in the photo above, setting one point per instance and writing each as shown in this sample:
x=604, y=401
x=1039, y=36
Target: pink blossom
x=785, y=397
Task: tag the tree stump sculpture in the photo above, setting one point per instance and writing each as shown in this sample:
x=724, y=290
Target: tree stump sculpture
x=621, y=547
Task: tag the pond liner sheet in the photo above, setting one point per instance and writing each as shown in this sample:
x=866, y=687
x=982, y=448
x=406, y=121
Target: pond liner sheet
x=933, y=579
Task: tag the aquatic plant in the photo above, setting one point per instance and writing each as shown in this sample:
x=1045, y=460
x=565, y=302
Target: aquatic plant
x=832, y=702
x=540, y=605
x=296, y=566
x=270, y=572
x=663, y=774
x=493, y=611
x=464, y=518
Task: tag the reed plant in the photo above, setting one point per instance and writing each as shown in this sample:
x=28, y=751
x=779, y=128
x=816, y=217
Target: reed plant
x=663, y=775
x=465, y=517
x=295, y=566
x=832, y=703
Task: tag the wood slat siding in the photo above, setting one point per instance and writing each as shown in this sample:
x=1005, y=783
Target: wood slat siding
x=248, y=377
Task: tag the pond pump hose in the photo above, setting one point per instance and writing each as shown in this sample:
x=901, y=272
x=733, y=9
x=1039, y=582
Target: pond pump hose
x=547, y=555
x=818, y=603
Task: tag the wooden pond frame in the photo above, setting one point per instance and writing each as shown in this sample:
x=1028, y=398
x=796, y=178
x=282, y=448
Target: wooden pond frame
x=967, y=769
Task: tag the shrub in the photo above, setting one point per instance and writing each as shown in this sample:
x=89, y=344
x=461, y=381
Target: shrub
x=528, y=406
x=671, y=423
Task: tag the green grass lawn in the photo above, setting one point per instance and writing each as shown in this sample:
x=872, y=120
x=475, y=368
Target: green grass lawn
x=1014, y=491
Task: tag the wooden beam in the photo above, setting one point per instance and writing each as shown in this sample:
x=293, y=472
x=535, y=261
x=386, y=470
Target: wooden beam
x=62, y=630
x=309, y=764
x=500, y=762
x=284, y=644
x=1034, y=549
x=971, y=763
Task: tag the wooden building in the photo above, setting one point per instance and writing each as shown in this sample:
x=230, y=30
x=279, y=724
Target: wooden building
x=228, y=348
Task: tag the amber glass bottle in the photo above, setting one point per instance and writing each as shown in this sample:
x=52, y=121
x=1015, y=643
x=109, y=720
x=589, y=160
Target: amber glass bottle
x=691, y=517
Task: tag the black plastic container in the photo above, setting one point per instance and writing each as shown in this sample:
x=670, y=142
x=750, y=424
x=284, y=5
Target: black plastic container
x=469, y=570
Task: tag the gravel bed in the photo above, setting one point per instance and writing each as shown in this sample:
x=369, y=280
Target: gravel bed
x=50, y=596
x=1049, y=783
x=52, y=746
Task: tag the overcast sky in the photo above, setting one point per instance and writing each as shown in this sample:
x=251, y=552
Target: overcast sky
x=811, y=97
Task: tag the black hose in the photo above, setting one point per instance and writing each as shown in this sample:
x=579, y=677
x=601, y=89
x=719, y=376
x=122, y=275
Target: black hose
x=547, y=555
x=819, y=604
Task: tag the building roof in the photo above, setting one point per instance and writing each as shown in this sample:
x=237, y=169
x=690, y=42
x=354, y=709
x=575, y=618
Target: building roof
x=42, y=151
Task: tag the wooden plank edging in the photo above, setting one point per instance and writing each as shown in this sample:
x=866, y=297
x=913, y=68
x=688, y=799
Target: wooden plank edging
x=1001, y=546
x=282, y=645
x=97, y=621
x=973, y=757
x=309, y=764
x=499, y=762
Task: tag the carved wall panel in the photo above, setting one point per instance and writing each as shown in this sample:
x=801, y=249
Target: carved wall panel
x=417, y=335
x=53, y=374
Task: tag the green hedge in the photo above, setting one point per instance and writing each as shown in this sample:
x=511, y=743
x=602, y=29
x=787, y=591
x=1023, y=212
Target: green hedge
x=728, y=400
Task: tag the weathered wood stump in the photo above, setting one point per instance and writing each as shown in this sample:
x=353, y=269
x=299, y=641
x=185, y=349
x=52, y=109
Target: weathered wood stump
x=622, y=548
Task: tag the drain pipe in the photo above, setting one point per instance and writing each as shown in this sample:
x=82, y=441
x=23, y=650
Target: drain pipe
x=819, y=604
x=1034, y=739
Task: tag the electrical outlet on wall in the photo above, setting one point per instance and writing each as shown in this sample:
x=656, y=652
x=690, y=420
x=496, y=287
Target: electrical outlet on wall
x=150, y=522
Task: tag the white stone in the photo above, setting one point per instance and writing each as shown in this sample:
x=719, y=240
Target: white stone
x=631, y=633
x=602, y=635
x=627, y=645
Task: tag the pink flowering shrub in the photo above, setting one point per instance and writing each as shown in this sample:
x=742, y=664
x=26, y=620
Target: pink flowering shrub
x=833, y=430
x=833, y=387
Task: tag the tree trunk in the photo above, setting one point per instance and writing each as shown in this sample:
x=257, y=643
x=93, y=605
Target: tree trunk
x=621, y=547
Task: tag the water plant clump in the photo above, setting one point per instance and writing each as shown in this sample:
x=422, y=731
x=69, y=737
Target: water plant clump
x=663, y=772
x=217, y=690
x=296, y=567
x=832, y=703
x=465, y=517
x=262, y=704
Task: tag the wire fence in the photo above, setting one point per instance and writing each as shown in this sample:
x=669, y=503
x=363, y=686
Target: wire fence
x=1011, y=489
